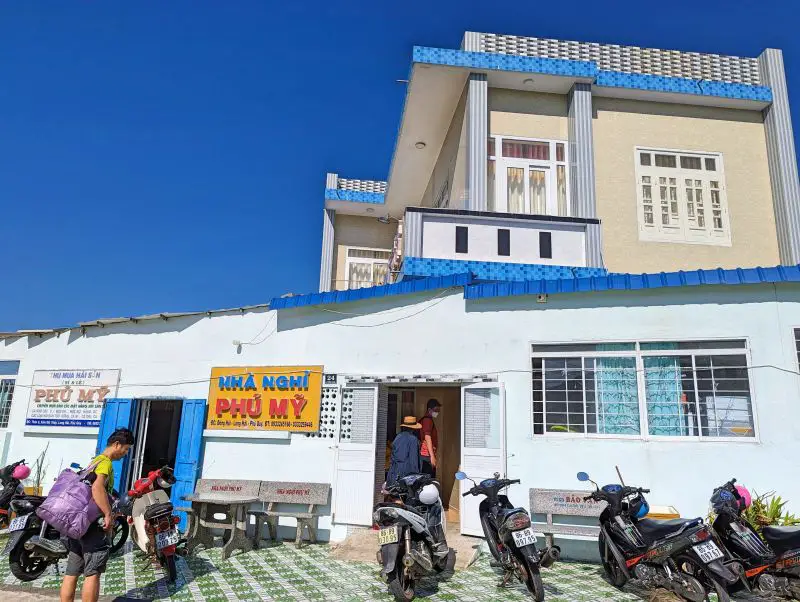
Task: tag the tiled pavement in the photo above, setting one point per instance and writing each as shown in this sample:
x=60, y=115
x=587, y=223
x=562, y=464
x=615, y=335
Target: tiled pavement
x=285, y=574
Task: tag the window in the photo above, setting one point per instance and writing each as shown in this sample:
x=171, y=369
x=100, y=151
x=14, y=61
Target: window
x=671, y=389
x=367, y=267
x=545, y=245
x=528, y=176
x=462, y=240
x=681, y=197
x=6, y=397
x=504, y=242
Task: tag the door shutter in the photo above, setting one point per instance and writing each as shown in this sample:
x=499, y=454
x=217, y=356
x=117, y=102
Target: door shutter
x=187, y=461
x=117, y=413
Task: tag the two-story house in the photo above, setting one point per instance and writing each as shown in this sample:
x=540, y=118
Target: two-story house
x=520, y=158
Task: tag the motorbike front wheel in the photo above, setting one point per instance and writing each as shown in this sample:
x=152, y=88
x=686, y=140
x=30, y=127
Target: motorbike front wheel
x=610, y=565
x=119, y=535
x=532, y=579
x=23, y=566
x=492, y=539
x=401, y=586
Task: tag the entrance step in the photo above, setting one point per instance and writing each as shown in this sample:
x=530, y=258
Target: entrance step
x=362, y=546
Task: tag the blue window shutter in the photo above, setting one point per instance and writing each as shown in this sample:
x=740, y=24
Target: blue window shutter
x=190, y=443
x=117, y=413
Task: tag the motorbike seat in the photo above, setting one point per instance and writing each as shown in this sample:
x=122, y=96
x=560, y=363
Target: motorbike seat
x=653, y=529
x=782, y=539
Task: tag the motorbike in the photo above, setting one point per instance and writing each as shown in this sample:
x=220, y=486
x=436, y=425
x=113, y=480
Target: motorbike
x=150, y=513
x=406, y=528
x=11, y=478
x=771, y=561
x=33, y=545
x=679, y=555
x=509, y=535
x=119, y=534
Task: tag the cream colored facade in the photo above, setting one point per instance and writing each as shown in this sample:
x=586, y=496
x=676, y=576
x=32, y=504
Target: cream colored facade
x=527, y=114
x=622, y=125
x=357, y=231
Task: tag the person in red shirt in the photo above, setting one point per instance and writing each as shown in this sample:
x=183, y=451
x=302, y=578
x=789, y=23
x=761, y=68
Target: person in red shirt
x=429, y=437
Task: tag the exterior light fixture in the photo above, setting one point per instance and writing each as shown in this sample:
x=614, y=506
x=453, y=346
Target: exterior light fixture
x=420, y=145
x=370, y=210
x=528, y=81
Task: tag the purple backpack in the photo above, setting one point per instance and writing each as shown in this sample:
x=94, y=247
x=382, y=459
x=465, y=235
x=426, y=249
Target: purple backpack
x=69, y=507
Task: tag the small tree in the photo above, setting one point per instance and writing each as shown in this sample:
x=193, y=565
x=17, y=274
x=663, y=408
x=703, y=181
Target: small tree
x=39, y=470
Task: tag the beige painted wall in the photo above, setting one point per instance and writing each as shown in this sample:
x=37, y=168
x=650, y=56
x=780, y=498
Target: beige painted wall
x=357, y=231
x=451, y=165
x=527, y=114
x=621, y=125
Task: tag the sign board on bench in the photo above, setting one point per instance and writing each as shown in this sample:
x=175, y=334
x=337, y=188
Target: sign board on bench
x=281, y=492
x=228, y=487
x=563, y=502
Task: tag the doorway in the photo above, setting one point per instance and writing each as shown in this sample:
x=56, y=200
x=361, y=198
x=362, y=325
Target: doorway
x=413, y=401
x=157, y=426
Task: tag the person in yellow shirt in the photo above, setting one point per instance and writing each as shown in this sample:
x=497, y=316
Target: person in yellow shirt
x=88, y=555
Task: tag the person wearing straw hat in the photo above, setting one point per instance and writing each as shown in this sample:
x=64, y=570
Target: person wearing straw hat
x=405, y=451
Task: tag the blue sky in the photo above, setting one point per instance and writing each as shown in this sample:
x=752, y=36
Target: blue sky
x=169, y=156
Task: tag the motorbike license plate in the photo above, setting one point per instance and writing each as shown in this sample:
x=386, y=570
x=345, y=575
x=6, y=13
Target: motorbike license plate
x=18, y=524
x=708, y=551
x=167, y=538
x=390, y=535
x=525, y=537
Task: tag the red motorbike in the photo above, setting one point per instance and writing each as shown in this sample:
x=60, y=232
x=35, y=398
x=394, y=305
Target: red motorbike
x=150, y=513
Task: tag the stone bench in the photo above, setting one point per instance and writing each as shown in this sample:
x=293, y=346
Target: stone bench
x=276, y=495
x=562, y=502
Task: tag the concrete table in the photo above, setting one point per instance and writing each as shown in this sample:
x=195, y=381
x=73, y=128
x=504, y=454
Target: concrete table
x=205, y=506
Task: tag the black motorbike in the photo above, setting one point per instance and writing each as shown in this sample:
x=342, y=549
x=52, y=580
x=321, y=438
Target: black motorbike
x=10, y=488
x=407, y=534
x=679, y=555
x=771, y=561
x=33, y=544
x=509, y=535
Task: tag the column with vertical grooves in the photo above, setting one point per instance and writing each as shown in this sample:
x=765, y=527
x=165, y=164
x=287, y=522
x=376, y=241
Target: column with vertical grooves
x=412, y=234
x=477, y=135
x=781, y=157
x=583, y=201
x=326, y=259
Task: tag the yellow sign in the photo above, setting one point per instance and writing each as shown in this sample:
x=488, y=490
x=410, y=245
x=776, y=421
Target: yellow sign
x=269, y=398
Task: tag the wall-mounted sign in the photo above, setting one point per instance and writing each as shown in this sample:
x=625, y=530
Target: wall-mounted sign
x=70, y=397
x=267, y=398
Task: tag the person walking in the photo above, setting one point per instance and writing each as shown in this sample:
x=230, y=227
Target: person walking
x=429, y=438
x=88, y=555
x=405, y=458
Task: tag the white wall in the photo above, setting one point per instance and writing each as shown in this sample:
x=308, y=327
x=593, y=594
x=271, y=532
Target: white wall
x=439, y=240
x=449, y=335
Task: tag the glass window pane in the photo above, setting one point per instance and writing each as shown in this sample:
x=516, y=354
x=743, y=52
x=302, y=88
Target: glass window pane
x=520, y=149
x=561, y=177
x=359, y=275
x=688, y=162
x=724, y=397
x=490, y=186
x=379, y=273
x=666, y=401
x=515, y=189
x=490, y=147
x=6, y=398
x=644, y=158
x=616, y=395
x=559, y=151
x=482, y=418
x=537, y=191
x=711, y=164
x=665, y=160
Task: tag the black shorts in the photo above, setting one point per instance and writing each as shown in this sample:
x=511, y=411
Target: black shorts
x=427, y=467
x=88, y=555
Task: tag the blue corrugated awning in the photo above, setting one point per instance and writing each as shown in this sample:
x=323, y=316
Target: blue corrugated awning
x=406, y=287
x=634, y=282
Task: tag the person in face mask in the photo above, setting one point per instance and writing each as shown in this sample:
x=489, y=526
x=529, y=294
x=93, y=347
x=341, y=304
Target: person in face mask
x=430, y=438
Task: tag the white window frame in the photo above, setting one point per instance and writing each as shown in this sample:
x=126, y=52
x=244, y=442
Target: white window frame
x=684, y=230
x=501, y=165
x=13, y=379
x=644, y=434
x=349, y=260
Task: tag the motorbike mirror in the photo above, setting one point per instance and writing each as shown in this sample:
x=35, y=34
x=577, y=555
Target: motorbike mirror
x=461, y=476
x=583, y=477
x=75, y=466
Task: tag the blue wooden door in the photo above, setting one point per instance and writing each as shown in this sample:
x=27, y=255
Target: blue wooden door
x=117, y=413
x=190, y=443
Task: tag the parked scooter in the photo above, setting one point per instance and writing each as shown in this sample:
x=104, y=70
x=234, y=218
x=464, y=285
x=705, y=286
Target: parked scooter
x=33, y=545
x=119, y=534
x=509, y=535
x=11, y=478
x=149, y=511
x=771, y=562
x=409, y=549
x=679, y=555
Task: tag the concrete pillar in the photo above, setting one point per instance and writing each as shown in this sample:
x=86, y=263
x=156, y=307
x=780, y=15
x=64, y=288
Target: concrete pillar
x=477, y=134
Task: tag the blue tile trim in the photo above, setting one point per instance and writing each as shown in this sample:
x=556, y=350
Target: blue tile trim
x=406, y=287
x=635, y=282
x=334, y=194
x=494, y=270
x=503, y=62
x=588, y=69
x=658, y=83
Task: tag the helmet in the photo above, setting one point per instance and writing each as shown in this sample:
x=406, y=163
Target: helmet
x=429, y=494
x=638, y=507
x=744, y=495
x=21, y=472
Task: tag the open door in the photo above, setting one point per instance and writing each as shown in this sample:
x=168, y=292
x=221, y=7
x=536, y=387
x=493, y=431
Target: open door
x=483, y=444
x=355, y=476
x=117, y=413
x=190, y=443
